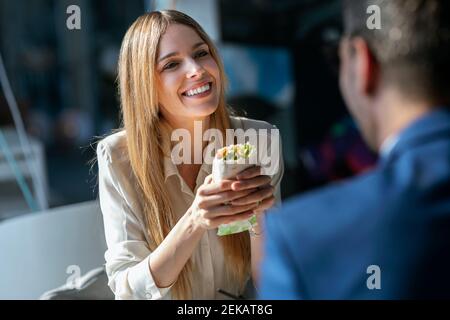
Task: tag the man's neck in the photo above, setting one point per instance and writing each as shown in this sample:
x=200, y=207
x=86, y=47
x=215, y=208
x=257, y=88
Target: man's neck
x=394, y=114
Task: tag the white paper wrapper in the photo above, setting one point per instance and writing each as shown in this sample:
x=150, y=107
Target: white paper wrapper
x=228, y=169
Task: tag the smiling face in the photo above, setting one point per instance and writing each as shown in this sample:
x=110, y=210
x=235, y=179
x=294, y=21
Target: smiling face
x=188, y=76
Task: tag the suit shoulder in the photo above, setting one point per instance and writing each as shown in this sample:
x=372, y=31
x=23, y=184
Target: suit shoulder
x=343, y=201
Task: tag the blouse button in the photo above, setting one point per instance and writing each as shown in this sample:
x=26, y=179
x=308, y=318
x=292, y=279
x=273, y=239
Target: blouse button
x=148, y=295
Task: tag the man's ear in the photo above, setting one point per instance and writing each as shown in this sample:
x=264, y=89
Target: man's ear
x=367, y=67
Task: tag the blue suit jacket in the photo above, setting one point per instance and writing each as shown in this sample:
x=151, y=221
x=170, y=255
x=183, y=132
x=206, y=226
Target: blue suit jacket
x=397, y=217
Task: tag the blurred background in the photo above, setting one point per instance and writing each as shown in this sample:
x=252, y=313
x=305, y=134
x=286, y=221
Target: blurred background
x=281, y=60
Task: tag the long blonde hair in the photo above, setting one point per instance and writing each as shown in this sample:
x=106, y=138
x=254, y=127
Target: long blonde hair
x=145, y=134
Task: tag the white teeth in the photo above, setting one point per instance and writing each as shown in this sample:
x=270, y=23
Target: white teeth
x=202, y=89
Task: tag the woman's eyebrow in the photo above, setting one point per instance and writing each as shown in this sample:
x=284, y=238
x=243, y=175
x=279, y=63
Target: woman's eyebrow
x=198, y=44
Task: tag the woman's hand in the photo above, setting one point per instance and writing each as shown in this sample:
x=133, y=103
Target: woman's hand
x=262, y=194
x=213, y=203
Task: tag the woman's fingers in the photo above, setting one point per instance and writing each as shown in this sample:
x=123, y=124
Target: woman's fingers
x=222, y=197
x=227, y=210
x=208, y=179
x=215, y=187
x=251, y=183
x=255, y=196
x=230, y=200
x=265, y=205
x=228, y=219
x=215, y=218
x=249, y=173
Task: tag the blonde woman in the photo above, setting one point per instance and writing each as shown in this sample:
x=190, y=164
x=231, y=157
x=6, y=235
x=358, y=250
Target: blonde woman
x=161, y=218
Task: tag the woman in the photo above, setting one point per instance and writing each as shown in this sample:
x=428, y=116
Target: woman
x=161, y=219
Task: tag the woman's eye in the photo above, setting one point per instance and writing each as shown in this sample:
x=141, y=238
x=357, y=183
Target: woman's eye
x=201, y=53
x=170, y=65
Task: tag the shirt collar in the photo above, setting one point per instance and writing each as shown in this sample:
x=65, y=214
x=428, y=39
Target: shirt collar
x=170, y=168
x=388, y=145
x=433, y=123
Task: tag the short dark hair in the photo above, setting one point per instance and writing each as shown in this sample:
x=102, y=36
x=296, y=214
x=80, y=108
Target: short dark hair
x=412, y=46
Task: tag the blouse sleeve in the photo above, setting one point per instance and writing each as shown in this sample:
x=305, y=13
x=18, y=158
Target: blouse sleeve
x=127, y=256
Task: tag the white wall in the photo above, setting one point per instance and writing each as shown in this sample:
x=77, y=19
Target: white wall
x=36, y=249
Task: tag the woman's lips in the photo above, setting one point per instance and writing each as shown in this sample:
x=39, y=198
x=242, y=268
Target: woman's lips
x=191, y=93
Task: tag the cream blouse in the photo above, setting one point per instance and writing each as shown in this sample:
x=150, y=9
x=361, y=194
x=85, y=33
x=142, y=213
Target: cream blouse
x=127, y=256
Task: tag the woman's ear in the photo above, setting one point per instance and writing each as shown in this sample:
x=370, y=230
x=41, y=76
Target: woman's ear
x=367, y=71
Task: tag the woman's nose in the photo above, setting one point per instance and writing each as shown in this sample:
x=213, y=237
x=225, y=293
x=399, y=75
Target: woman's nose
x=194, y=69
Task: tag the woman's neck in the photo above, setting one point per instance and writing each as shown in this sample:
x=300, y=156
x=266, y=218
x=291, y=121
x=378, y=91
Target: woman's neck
x=196, y=129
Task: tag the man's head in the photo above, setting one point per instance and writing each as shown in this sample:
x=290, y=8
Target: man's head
x=409, y=55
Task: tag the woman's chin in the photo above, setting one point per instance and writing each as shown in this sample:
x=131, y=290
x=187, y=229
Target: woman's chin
x=203, y=110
